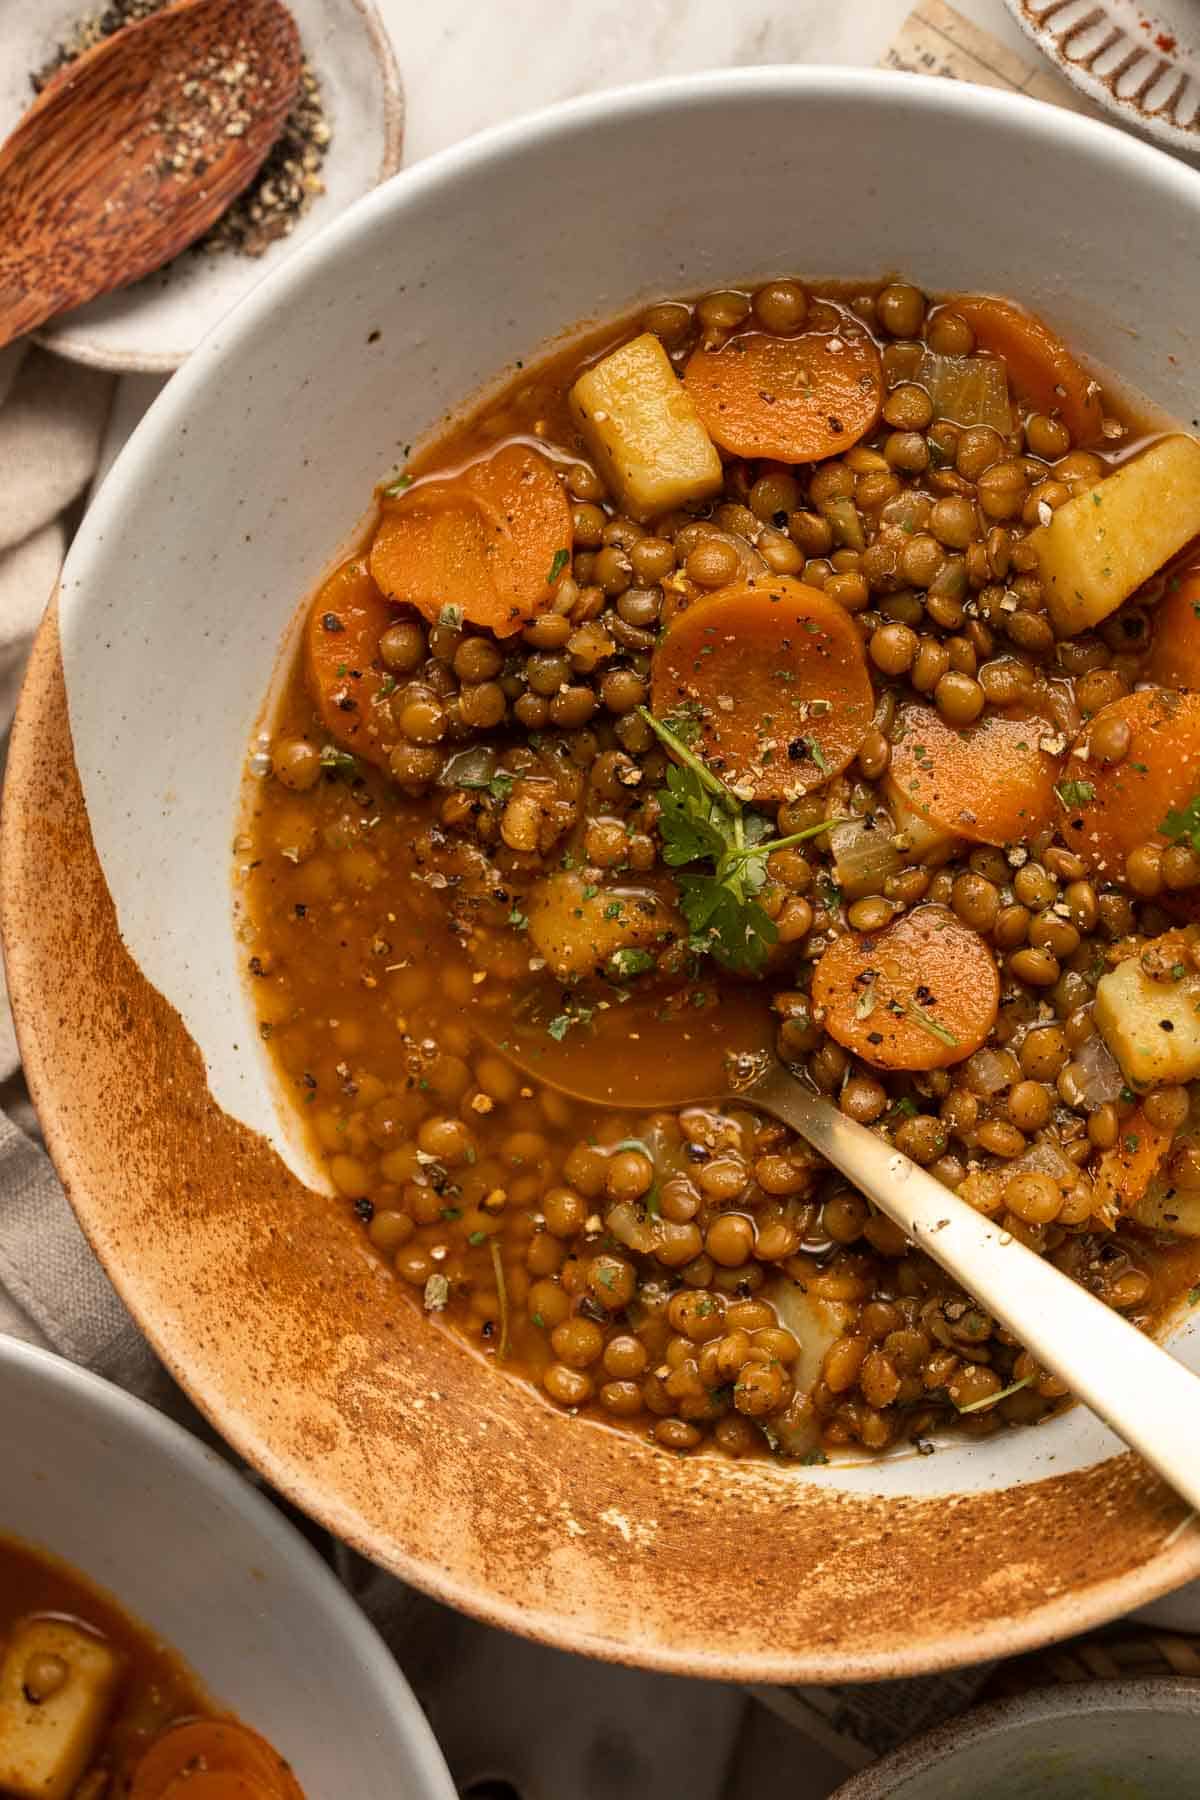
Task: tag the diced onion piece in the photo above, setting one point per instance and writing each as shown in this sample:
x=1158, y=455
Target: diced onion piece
x=629, y=1227
x=987, y=1072
x=1098, y=1077
x=470, y=768
x=864, y=854
x=969, y=390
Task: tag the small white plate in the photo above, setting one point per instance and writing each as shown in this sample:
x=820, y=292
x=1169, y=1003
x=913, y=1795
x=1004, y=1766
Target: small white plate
x=1139, y=62
x=155, y=324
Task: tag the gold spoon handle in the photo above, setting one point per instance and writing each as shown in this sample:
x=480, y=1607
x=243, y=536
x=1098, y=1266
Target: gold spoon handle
x=1146, y=1396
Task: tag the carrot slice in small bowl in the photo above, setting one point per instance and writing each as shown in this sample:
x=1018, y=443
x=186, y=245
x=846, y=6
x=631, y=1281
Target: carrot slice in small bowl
x=492, y=542
x=796, y=399
x=1174, y=659
x=346, y=678
x=1040, y=366
x=215, y=1758
x=923, y=993
x=770, y=679
x=1112, y=808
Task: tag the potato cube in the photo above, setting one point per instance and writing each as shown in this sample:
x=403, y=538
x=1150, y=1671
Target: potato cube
x=1104, y=543
x=643, y=430
x=57, y=1686
x=1151, y=1027
x=582, y=929
x=1163, y=1208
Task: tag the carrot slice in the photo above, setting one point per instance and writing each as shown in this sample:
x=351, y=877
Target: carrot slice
x=1127, y=1170
x=920, y=994
x=1114, y=807
x=770, y=677
x=1174, y=659
x=795, y=399
x=494, y=542
x=214, y=1758
x=990, y=782
x=1040, y=366
x=341, y=657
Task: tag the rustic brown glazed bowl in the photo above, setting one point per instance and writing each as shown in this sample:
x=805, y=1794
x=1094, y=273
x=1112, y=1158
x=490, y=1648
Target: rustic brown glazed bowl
x=144, y=693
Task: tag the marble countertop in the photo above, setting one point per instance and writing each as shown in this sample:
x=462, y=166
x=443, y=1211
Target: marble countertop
x=466, y=65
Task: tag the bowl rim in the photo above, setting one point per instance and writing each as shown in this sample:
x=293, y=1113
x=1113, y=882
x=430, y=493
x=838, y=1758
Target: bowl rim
x=921, y=1755
x=208, y=1472
x=666, y=93
x=1173, y=1562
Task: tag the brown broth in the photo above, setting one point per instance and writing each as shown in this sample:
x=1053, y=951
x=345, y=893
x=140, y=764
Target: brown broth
x=156, y=1686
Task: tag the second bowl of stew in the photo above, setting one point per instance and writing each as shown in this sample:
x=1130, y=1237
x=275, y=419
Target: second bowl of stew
x=538, y=653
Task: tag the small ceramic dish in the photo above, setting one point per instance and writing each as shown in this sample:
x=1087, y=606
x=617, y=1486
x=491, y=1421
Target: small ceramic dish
x=189, y=1548
x=1139, y=62
x=1067, y=1743
x=155, y=324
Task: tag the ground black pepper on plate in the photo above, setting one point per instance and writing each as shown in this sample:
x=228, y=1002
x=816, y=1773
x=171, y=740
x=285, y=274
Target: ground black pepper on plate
x=288, y=181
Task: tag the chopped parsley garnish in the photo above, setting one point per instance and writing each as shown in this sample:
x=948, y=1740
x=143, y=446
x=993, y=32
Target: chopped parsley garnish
x=702, y=821
x=341, y=762
x=561, y=559
x=630, y=961
x=1182, y=825
x=451, y=616
x=1075, y=793
x=397, y=484
x=933, y=1026
x=500, y=786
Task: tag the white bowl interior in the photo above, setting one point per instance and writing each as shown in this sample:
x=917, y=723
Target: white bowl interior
x=255, y=464
x=186, y=1545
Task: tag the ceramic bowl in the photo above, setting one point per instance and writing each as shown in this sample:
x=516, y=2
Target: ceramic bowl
x=154, y=324
x=146, y=689
x=187, y=1546
x=1102, y=1738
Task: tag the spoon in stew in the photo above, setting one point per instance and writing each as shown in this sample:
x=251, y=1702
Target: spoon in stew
x=132, y=151
x=643, y=1055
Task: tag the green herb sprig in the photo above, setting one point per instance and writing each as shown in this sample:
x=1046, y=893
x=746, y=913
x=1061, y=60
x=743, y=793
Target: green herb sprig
x=1184, y=824
x=703, y=821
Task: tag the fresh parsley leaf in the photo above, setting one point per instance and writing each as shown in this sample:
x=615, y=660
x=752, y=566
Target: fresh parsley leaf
x=1181, y=824
x=684, y=721
x=702, y=821
x=341, y=762
x=1075, y=793
x=500, y=786
x=561, y=559
x=397, y=485
x=630, y=961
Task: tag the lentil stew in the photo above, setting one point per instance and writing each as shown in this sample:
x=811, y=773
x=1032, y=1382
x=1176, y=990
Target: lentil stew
x=826, y=646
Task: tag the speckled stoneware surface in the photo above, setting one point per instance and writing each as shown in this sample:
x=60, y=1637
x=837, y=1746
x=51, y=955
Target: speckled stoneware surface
x=153, y=325
x=1139, y=61
x=1102, y=1740
x=248, y=474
